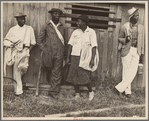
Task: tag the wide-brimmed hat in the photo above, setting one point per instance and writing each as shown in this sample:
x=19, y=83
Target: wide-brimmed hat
x=55, y=10
x=132, y=11
x=19, y=14
x=84, y=18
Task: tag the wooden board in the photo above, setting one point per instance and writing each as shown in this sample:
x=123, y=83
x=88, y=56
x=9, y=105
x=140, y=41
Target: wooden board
x=115, y=43
x=99, y=49
x=90, y=10
x=109, y=53
x=118, y=61
x=91, y=6
x=101, y=53
x=93, y=24
x=92, y=17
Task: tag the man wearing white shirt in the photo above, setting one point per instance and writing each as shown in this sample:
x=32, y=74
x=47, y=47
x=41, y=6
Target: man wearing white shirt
x=81, y=41
x=19, y=40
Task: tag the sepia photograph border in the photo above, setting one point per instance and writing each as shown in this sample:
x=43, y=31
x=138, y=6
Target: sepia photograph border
x=84, y=118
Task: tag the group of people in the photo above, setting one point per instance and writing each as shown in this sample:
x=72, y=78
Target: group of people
x=82, y=54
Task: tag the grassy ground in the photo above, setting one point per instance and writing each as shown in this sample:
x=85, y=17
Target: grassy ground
x=29, y=105
x=125, y=112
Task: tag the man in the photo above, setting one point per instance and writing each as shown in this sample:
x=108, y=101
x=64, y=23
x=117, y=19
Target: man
x=51, y=43
x=84, y=56
x=131, y=38
x=18, y=42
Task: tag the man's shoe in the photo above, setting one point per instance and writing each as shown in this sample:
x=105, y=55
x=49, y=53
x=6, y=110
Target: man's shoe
x=128, y=95
x=91, y=95
x=77, y=96
x=55, y=96
x=117, y=92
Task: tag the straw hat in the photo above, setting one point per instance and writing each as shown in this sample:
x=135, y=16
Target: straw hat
x=132, y=11
x=19, y=14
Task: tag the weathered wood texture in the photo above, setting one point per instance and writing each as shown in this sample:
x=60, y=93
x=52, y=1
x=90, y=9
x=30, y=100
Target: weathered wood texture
x=37, y=15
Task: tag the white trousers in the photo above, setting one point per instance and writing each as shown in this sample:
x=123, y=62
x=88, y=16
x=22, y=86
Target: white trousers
x=19, y=68
x=130, y=66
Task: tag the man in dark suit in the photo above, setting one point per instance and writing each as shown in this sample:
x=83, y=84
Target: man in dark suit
x=51, y=42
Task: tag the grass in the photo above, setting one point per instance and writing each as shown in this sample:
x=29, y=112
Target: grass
x=133, y=112
x=29, y=105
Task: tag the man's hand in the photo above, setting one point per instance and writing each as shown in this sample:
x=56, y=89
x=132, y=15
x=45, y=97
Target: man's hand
x=128, y=39
x=11, y=45
x=91, y=63
x=68, y=61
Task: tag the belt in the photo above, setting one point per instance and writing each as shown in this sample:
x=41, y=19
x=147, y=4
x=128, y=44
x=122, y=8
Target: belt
x=134, y=45
x=25, y=46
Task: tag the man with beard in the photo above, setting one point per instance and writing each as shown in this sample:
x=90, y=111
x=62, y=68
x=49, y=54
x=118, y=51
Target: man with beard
x=131, y=38
x=51, y=43
x=18, y=42
x=83, y=55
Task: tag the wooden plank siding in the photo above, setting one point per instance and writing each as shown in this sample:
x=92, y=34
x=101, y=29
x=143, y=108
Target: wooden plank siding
x=37, y=15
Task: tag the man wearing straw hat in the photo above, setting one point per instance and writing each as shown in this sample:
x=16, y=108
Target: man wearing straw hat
x=131, y=38
x=18, y=42
x=51, y=42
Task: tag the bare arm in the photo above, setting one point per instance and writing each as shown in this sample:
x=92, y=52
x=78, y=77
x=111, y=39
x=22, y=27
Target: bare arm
x=93, y=56
x=68, y=54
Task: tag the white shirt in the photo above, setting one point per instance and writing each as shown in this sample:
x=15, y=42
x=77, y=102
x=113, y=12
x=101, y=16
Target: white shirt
x=78, y=37
x=25, y=34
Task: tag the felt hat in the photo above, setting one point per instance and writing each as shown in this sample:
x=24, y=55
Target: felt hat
x=84, y=18
x=19, y=14
x=132, y=11
x=55, y=10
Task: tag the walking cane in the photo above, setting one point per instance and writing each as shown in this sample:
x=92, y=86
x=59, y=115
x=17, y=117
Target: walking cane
x=37, y=86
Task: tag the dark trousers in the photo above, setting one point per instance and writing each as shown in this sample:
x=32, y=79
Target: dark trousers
x=89, y=86
x=54, y=76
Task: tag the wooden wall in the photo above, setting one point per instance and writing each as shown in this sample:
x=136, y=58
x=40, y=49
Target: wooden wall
x=37, y=15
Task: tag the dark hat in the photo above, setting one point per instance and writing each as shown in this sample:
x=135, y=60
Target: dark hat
x=55, y=10
x=19, y=14
x=84, y=18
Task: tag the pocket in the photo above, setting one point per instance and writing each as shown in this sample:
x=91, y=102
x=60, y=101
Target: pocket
x=47, y=60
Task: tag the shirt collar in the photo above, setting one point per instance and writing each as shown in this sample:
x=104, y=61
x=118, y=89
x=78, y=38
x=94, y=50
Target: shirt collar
x=132, y=25
x=59, y=24
x=19, y=26
x=86, y=30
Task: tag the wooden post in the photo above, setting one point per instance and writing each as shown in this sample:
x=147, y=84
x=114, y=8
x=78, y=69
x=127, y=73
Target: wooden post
x=116, y=65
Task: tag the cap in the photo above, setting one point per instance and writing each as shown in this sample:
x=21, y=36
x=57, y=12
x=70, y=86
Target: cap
x=84, y=18
x=55, y=10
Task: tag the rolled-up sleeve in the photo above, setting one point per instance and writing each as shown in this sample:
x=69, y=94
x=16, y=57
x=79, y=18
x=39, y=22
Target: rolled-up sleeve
x=71, y=40
x=33, y=41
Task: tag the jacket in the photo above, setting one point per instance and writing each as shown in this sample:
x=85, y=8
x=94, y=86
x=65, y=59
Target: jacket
x=125, y=47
